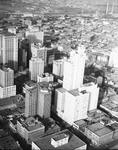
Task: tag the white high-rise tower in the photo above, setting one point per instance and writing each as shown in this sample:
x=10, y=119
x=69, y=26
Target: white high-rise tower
x=36, y=67
x=74, y=69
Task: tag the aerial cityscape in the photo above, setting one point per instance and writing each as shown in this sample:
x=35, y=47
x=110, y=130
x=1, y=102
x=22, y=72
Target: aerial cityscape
x=58, y=74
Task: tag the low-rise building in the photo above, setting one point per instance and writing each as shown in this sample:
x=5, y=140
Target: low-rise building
x=80, y=123
x=30, y=129
x=7, y=91
x=99, y=134
x=61, y=140
x=8, y=142
x=47, y=77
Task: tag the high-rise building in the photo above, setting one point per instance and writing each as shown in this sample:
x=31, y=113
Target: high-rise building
x=76, y=105
x=6, y=77
x=7, y=87
x=24, y=53
x=59, y=102
x=44, y=103
x=58, y=67
x=38, y=51
x=74, y=69
x=9, y=50
x=36, y=67
x=31, y=97
x=93, y=89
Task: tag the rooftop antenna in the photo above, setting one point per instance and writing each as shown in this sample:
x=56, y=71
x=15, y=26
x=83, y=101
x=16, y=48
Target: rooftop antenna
x=107, y=8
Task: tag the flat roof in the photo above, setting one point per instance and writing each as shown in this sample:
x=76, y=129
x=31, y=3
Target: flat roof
x=30, y=83
x=74, y=141
x=7, y=142
x=103, y=131
x=75, y=92
x=80, y=122
x=5, y=102
x=95, y=127
x=6, y=33
x=61, y=90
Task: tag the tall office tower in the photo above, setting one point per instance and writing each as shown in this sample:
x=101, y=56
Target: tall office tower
x=7, y=87
x=9, y=50
x=38, y=51
x=36, y=67
x=58, y=67
x=24, y=54
x=31, y=97
x=93, y=89
x=59, y=102
x=6, y=77
x=74, y=69
x=44, y=103
x=76, y=105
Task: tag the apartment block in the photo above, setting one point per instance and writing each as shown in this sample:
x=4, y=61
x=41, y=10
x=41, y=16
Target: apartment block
x=36, y=67
x=74, y=69
x=59, y=102
x=7, y=91
x=76, y=105
x=6, y=77
x=93, y=89
x=44, y=102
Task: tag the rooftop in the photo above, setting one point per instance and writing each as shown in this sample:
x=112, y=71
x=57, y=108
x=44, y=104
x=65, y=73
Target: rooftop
x=95, y=127
x=103, y=131
x=6, y=69
x=74, y=142
x=61, y=90
x=5, y=33
x=31, y=123
x=8, y=142
x=30, y=83
x=80, y=122
x=75, y=92
x=60, y=136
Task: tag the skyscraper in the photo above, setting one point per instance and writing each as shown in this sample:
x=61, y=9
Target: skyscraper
x=7, y=87
x=44, y=103
x=74, y=69
x=58, y=67
x=9, y=50
x=38, y=51
x=6, y=77
x=76, y=105
x=59, y=102
x=36, y=67
x=31, y=97
x=93, y=89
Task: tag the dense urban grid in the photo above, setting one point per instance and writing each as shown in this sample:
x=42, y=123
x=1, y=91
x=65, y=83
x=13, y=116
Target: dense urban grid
x=59, y=81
